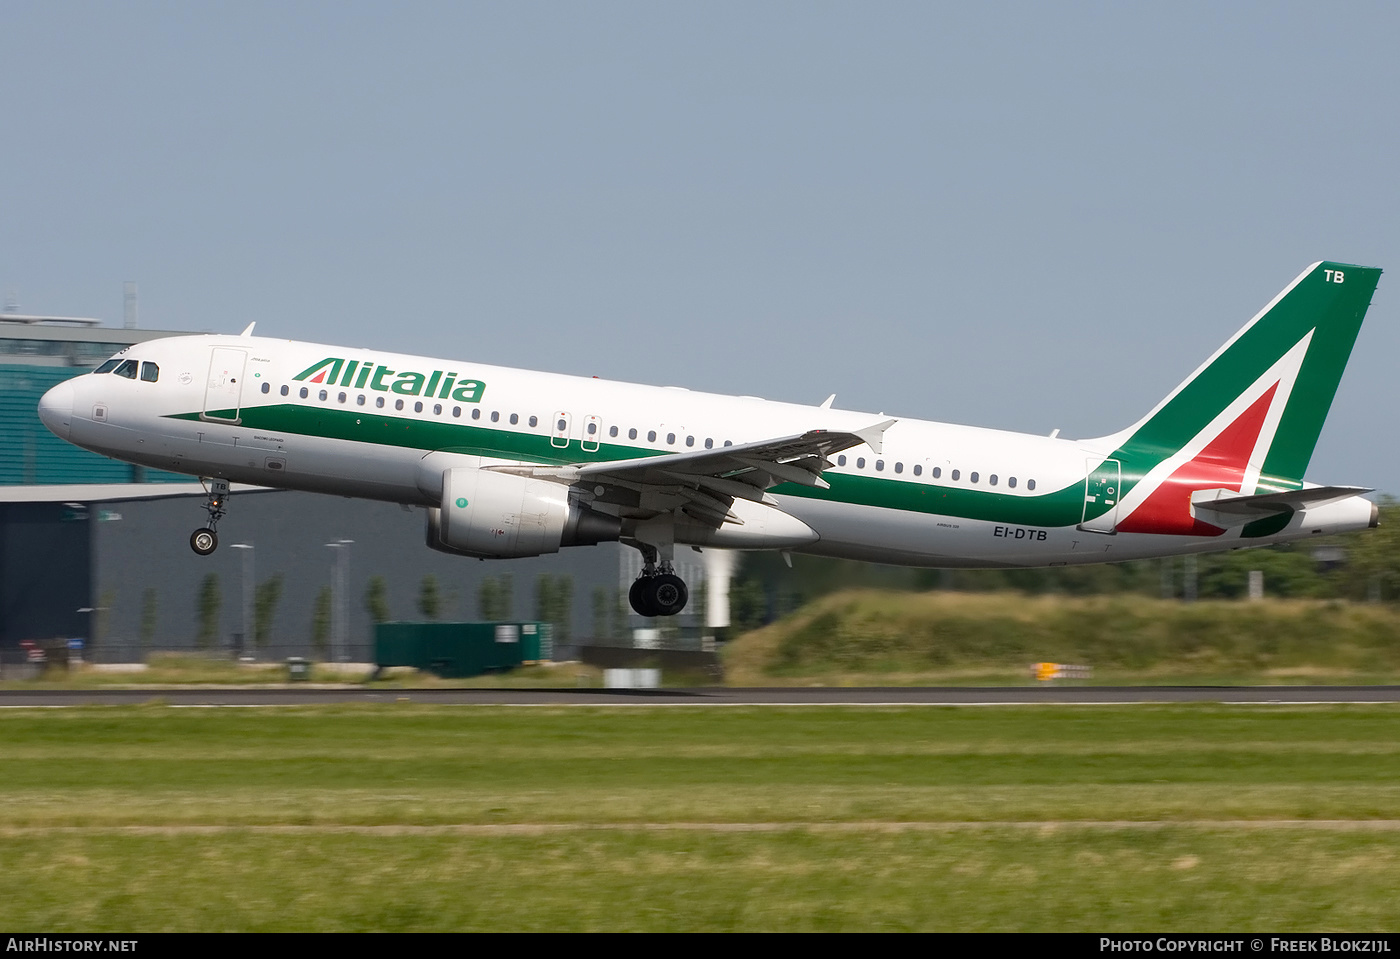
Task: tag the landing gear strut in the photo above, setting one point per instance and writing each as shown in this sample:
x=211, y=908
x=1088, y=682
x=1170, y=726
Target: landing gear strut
x=658, y=591
x=205, y=540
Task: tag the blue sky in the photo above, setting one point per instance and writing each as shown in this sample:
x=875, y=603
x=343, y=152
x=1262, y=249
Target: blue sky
x=1027, y=216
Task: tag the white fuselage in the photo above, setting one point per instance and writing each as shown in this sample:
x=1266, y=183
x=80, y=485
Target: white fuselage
x=935, y=495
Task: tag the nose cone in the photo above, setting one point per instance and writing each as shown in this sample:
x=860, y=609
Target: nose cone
x=56, y=409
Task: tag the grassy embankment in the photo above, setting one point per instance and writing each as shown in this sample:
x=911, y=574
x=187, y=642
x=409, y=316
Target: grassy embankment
x=402, y=817
x=873, y=637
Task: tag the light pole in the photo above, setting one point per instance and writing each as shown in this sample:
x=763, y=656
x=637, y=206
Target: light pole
x=248, y=642
x=341, y=616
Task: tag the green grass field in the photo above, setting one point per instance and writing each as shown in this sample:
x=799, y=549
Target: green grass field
x=404, y=817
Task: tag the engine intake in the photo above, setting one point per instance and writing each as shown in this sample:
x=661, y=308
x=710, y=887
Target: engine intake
x=502, y=516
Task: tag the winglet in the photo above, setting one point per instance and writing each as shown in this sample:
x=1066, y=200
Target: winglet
x=249, y=330
x=826, y=403
x=874, y=436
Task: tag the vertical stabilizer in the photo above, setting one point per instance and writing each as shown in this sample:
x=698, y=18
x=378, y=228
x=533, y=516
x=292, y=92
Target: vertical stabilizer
x=1248, y=419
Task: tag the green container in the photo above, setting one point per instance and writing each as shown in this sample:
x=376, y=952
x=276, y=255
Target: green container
x=536, y=642
x=298, y=669
x=456, y=650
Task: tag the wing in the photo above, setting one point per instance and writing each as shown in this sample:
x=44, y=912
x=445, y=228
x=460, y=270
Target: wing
x=705, y=483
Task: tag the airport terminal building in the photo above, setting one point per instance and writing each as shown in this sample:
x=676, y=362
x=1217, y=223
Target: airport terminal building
x=85, y=554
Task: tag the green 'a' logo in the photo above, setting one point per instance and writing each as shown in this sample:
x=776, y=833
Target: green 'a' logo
x=367, y=374
x=317, y=372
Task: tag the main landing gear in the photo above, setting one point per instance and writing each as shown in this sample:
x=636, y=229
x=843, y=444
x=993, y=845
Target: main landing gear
x=205, y=540
x=658, y=591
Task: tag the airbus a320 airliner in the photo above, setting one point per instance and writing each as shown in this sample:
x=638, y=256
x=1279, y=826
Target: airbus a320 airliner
x=512, y=463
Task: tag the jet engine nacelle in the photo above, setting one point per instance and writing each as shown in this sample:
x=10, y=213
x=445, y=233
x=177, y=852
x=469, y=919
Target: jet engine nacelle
x=502, y=516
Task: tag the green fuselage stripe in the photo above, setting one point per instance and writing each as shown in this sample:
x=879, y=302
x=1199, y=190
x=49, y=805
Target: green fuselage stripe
x=1062, y=507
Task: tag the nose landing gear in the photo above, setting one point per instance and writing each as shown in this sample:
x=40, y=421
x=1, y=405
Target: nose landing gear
x=205, y=540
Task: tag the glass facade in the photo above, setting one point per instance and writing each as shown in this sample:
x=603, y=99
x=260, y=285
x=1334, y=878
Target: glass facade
x=30, y=455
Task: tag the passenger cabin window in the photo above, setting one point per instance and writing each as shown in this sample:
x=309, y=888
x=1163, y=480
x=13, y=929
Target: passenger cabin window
x=150, y=373
x=841, y=460
x=127, y=369
x=108, y=367
x=514, y=418
x=418, y=406
x=1030, y=484
x=284, y=391
x=612, y=430
x=534, y=421
x=956, y=475
x=304, y=393
x=632, y=433
x=918, y=469
x=322, y=395
x=267, y=387
x=651, y=436
x=860, y=462
x=379, y=402
x=1011, y=482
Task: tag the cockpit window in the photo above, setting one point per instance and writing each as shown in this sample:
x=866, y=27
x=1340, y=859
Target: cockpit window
x=150, y=372
x=108, y=367
x=127, y=369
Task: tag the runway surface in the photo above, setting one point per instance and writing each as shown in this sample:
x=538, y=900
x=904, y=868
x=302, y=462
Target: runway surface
x=710, y=696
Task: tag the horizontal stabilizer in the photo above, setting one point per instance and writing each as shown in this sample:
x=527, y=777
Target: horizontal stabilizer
x=1226, y=508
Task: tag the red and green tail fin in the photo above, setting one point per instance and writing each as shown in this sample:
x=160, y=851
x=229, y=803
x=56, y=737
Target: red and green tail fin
x=1248, y=419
